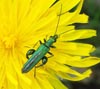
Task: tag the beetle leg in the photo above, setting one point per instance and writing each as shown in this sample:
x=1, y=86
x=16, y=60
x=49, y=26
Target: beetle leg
x=35, y=44
x=51, y=55
x=29, y=52
x=46, y=37
x=40, y=42
x=35, y=71
x=44, y=61
x=52, y=46
x=44, y=40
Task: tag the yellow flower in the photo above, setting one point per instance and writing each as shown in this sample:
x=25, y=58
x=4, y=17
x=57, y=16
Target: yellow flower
x=23, y=23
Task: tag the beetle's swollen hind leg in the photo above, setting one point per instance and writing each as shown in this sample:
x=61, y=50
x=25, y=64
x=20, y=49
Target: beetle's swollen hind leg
x=29, y=52
x=44, y=61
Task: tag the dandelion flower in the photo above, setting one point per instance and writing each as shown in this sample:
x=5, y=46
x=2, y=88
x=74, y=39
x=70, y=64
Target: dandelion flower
x=23, y=23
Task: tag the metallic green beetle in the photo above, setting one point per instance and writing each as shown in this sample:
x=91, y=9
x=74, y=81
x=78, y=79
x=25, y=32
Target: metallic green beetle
x=39, y=54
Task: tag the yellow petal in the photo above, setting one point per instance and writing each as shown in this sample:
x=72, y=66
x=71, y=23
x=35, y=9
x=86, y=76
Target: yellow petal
x=35, y=84
x=57, y=84
x=78, y=34
x=3, y=16
x=24, y=7
x=12, y=14
x=66, y=5
x=65, y=46
x=76, y=61
x=43, y=80
x=71, y=48
x=69, y=4
x=63, y=68
x=81, y=18
x=24, y=81
x=85, y=62
x=63, y=57
x=33, y=15
x=11, y=76
x=2, y=76
x=70, y=15
x=34, y=32
x=77, y=78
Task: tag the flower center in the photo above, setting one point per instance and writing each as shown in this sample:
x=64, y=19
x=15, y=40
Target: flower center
x=9, y=41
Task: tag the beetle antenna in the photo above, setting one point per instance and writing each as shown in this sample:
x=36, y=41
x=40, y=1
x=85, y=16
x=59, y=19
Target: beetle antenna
x=65, y=32
x=58, y=19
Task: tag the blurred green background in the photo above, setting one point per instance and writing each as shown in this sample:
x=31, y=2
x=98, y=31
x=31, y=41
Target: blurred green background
x=92, y=9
